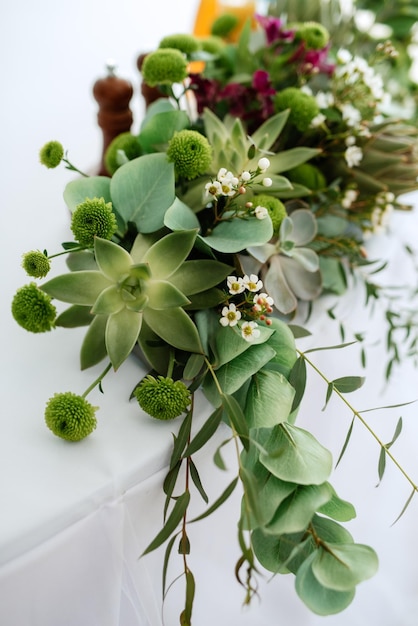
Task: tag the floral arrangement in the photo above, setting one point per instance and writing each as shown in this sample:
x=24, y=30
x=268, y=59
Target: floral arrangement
x=253, y=184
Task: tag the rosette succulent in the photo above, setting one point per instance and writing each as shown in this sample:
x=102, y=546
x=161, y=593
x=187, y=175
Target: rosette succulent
x=146, y=287
x=289, y=269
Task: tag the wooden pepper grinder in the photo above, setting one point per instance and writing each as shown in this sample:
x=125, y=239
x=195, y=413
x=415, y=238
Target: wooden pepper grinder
x=113, y=95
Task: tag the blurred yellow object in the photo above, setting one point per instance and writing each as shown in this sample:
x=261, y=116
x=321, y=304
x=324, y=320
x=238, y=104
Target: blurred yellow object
x=206, y=13
x=242, y=9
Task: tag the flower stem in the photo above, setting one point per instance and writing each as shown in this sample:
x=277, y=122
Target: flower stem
x=361, y=418
x=98, y=380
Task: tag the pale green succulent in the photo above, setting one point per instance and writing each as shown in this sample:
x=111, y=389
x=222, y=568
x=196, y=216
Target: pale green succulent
x=290, y=270
x=147, y=286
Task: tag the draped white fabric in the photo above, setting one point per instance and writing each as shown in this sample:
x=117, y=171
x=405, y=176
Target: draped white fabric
x=74, y=519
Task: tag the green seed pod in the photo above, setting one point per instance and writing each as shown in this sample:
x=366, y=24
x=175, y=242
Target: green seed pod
x=162, y=398
x=190, y=152
x=51, y=154
x=93, y=218
x=36, y=264
x=32, y=309
x=70, y=416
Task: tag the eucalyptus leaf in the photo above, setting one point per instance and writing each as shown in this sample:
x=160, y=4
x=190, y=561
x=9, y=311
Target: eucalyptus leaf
x=76, y=191
x=341, y=567
x=297, y=510
x=142, y=190
x=205, y=433
x=236, y=417
x=347, y=384
x=157, y=129
x=293, y=454
x=179, y=216
x=171, y=524
x=320, y=599
x=237, y=234
x=269, y=399
x=338, y=509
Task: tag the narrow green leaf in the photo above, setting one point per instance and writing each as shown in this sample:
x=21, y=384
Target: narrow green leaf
x=217, y=458
x=193, y=366
x=169, y=484
x=347, y=384
x=205, y=433
x=237, y=418
x=194, y=474
x=184, y=545
x=347, y=439
x=166, y=560
x=299, y=331
x=336, y=347
x=181, y=440
x=389, y=406
x=186, y=614
x=222, y=498
x=330, y=389
x=396, y=434
x=171, y=524
x=407, y=503
x=381, y=466
x=297, y=379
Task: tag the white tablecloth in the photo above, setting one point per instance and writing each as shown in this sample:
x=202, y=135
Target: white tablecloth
x=75, y=518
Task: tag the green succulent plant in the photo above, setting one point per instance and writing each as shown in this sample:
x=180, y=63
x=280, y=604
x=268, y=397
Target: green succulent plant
x=149, y=285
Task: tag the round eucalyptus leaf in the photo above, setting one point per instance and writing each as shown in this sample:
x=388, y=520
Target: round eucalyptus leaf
x=320, y=599
x=295, y=513
x=342, y=566
x=293, y=454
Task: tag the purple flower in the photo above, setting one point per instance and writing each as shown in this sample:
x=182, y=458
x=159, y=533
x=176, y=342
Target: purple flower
x=273, y=28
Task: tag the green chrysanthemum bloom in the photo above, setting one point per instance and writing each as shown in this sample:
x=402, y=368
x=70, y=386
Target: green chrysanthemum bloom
x=36, y=264
x=51, y=154
x=164, y=66
x=185, y=43
x=313, y=34
x=224, y=24
x=126, y=143
x=212, y=44
x=33, y=310
x=93, y=218
x=190, y=152
x=303, y=107
x=275, y=208
x=70, y=416
x=162, y=398
x=308, y=175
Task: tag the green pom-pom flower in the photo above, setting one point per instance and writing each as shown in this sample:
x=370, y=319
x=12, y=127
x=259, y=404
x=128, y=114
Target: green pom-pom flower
x=123, y=148
x=164, y=66
x=70, y=416
x=162, y=398
x=185, y=43
x=190, y=152
x=275, y=208
x=212, y=44
x=313, y=34
x=224, y=25
x=303, y=107
x=51, y=154
x=36, y=264
x=33, y=310
x=307, y=175
x=93, y=218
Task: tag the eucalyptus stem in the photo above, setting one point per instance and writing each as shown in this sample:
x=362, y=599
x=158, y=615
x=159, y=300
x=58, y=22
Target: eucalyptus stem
x=76, y=249
x=361, y=418
x=98, y=380
x=73, y=168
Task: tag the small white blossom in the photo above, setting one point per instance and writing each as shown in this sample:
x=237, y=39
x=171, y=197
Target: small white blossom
x=350, y=196
x=261, y=212
x=214, y=188
x=263, y=302
x=353, y=155
x=222, y=172
x=230, y=316
x=264, y=164
x=351, y=115
x=324, y=99
x=235, y=285
x=250, y=331
x=318, y=120
x=350, y=140
x=344, y=56
x=252, y=282
x=245, y=176
x=267, y=182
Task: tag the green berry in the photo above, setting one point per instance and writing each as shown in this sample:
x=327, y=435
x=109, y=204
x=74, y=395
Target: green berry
x=185, y=43
x=303, y=107
x=275, y=207
x=36, y=264
x=70, y=416
x=190, y=152
x=313, y=34
x=307, y=175
x=164, y=66
x=32, y=309
x=93, y=218
x=125, y=143
x=51, y=154
x=224, y=25
x=162, y=398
